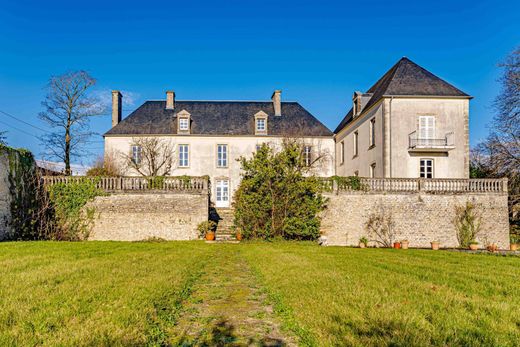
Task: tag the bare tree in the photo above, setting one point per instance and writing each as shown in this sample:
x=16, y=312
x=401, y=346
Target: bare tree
x=106, y=165
x=150, y=156
x=499, y=154
x=68, y=108
x=3, y=140
x=380, y=226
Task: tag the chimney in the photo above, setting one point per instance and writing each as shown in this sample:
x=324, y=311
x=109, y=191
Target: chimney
x=277, y=102
x=170, y=100
x=117, y=103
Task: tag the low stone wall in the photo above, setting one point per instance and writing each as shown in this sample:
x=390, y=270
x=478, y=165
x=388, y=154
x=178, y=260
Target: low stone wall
x=418, y=217
x=138, y=216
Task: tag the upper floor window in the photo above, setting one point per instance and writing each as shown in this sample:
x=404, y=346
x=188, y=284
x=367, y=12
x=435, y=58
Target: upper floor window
x=137, y=154
x=307, y=155
x=260, y=124
x=341, y=152
x=372, y=134
x=222, y=155
x=426, y=168
x=426, y=127
x=184, y=124
x=356, y=140
x=184, y=155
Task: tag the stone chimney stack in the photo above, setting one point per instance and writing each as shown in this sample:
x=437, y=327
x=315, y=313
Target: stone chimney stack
x=277, y=102
x=170, y=100
x=117, y=107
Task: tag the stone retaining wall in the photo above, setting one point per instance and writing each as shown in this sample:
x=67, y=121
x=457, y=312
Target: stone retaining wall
x=139, y=216
x=418, y=217
x=5, y=196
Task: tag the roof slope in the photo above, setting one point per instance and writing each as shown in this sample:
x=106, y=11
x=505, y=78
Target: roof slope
x=220, y=118
x=406, y=78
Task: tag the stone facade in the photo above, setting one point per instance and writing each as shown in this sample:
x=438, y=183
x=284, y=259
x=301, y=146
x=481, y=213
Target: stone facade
x=5, y=196
x=138, y=216
x=418, y=217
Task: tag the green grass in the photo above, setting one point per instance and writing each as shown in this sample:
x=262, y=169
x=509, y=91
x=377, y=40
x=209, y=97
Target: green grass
x=345, y=296
x=109, y=293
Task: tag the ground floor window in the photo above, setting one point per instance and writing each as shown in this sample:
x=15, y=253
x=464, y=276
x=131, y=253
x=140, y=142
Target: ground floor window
x=373, y=170
x=426, y=168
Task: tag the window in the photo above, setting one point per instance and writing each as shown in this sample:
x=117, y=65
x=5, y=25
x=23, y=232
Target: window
x=137, y=154
x=372, y=132
x=184, y=124
x=342, y=152
x=426, y=168
x=426, y=127
x=373, y=170
x=307, y=155
x=356, y=136
x=222, y=155
x=260, y=124
x=184, y=155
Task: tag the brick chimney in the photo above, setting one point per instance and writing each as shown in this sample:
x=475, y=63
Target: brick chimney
x=117, y=106
x=277, y=102
x=170, y=100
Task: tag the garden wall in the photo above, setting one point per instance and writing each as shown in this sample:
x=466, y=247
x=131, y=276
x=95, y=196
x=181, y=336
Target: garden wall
x=419, y=217
x=140, y=215
x=5, y=196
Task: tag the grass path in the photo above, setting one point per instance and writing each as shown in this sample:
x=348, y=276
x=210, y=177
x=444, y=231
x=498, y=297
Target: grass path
x=227, y=307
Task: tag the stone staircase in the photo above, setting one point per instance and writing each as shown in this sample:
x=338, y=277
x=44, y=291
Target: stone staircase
x=224, y=219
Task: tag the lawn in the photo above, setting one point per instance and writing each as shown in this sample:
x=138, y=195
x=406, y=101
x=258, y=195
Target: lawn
x=109, y=293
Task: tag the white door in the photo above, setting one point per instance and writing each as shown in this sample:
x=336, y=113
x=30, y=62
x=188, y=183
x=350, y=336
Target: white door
x=222, y=193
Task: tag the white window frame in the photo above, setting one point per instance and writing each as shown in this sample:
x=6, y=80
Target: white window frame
x=184, y=155
x=426, y=127
x=356, y=143
x=222, y=155
x=373, y=170
x=307, y=155
x=137, y=154
x=184, y=124
x=263, y=121
x=372, y=135
x=423, y=173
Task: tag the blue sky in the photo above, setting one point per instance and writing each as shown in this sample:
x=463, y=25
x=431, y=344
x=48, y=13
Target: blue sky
x=317, y=52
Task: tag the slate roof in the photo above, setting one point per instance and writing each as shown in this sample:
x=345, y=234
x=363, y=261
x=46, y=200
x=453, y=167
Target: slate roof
x=220, y=118
x=406, y=78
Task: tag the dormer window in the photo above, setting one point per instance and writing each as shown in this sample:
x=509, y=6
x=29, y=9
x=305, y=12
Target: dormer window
x=183, y=122
x=261, y=123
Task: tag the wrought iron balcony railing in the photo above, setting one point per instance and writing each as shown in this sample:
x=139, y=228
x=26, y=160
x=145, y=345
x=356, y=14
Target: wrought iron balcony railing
x=416, y=142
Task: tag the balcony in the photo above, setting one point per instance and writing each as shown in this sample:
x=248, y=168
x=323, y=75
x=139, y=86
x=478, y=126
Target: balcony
x=417, y=144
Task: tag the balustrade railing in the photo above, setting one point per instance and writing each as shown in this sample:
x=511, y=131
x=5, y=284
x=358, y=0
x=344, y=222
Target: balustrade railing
x=113, y=184
x=415, y=141
x=439, y=185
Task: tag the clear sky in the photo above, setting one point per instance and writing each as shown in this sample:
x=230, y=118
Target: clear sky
x=317, y=52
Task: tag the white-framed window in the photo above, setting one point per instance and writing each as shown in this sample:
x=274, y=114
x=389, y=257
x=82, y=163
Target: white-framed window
x=307, y=155
x=426, y=127
x=260, y=124
x=341, y=152
x=356, y=141
x=137, y=154
x=373, y=170
x=222, y=155
x=372, y=132
x=426, y=168
x=184, y=155
x=184, y=124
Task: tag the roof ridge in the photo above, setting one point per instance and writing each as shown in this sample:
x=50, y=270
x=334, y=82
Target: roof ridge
x=265, y=101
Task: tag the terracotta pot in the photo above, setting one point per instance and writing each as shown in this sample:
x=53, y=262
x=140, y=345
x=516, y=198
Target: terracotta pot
x=473, y=247
x=238, y=236
x=492, y=248
x=361, y=245
x=405, y=244
x=397, y=245
x=435, y=245
x=513, y=247
x=210, y=236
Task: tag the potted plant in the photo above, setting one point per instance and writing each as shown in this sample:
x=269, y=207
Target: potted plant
x=405, y=244
x=492, y=247
x=435, y=245
x=397, y=245
x=514, y=243
x=207, y=230
x=473, y=245
x=363, y=242
x=238, y=235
